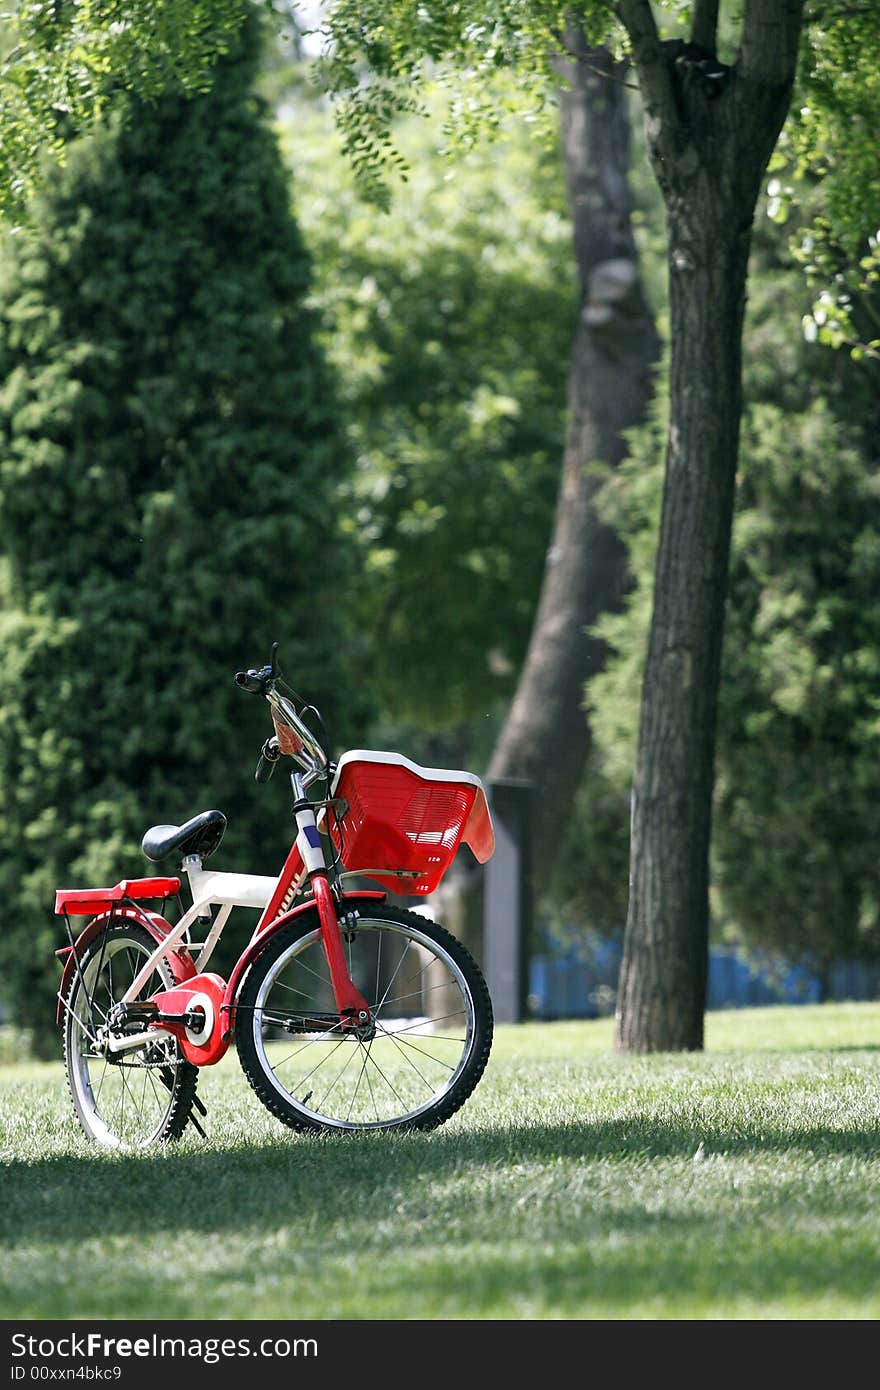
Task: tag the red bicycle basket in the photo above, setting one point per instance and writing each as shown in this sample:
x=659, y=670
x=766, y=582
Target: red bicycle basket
x=396, y=819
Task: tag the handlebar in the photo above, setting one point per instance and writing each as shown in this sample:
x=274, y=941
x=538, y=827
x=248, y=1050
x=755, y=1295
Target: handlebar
x=302, y=745
x=259, y=682
x=254, y=681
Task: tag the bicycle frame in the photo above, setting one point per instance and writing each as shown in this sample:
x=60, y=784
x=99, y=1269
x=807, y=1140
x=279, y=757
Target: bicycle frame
x=213, y=889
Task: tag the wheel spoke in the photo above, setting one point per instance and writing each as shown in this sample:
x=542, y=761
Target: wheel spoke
x=324, y=979
x=282, y=985
x=101, y=1082
x=385, y=1079
x=422, y=1078
x=339, y=1077
x=311, y=1073
x=402, y=1069
x=158, y=1098
x=381, y=1003
x=419, y=993
x=393, y=1037
x=422, y=1024
x=119, y=1101
x=85, y=1030
x=144, y=1091
x=366, y=1052
x=125, y=1091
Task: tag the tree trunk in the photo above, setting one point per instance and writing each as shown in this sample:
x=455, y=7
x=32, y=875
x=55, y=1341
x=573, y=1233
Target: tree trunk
x=663, y=984
x=545, y=738
x=711, y=132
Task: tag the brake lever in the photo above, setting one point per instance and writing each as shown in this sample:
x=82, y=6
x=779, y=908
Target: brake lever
x=269, y=755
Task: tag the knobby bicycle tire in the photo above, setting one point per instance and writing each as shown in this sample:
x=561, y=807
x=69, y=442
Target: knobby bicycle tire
x=432, y=1026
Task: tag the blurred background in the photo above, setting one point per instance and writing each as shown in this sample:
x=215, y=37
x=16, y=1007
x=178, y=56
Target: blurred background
x=241, y=404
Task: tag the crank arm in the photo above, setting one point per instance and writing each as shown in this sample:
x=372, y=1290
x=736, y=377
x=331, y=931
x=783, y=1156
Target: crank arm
x=126, y=1041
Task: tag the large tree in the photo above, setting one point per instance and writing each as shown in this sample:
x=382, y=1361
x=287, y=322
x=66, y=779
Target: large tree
x=794, y=855
x=545, y=738
x=169, y=470
x=713, y=117
x=712, y=127
x=711, y=130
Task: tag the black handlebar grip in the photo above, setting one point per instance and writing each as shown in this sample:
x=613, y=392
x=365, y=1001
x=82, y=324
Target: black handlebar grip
x=269, y=755
x=249, y=680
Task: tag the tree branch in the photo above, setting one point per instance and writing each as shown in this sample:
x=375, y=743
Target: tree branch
x=770, y=37
x=655, y=77
x=579, y=53
x=704, y=29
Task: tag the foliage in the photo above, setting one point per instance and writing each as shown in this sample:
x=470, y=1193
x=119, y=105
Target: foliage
x=451, y=317
x=67, y=63
x=380, y=57
x=831, y=140
x=798, y=732
x=70, y=60
x=799, y=745
x=167, y=491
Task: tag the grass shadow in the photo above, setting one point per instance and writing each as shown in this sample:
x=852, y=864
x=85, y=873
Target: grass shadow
x=272, y=1183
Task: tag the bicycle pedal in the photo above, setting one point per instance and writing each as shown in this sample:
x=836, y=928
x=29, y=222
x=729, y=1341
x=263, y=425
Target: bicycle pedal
x=140, y=1011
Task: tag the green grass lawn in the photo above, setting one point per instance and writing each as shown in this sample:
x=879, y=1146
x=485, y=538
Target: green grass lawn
x=743, y=1182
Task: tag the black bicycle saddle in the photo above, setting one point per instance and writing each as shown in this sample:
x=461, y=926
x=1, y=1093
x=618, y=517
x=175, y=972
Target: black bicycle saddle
x=201, y=835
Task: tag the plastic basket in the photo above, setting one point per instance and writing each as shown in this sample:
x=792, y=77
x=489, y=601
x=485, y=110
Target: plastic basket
x=407, y=820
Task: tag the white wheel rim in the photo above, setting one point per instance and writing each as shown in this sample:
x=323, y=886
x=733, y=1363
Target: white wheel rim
x=413, y=936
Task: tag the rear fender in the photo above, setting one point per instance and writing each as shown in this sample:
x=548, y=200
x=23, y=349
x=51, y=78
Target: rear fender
x=259, y=944
x=180, y=960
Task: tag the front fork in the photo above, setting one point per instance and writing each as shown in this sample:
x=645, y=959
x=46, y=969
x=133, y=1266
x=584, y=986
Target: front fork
x=353, y=1008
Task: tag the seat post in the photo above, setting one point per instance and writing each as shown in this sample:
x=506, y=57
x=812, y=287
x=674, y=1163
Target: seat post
x=192, y=867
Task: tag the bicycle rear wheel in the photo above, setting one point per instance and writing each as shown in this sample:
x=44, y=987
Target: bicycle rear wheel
x=415, y=1063
x=132, y=1099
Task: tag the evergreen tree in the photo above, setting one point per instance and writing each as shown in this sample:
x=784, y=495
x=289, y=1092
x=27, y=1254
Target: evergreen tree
x=168, y=476
x=799, y=720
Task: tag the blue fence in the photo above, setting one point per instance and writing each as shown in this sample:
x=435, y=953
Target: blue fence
x=581, y=982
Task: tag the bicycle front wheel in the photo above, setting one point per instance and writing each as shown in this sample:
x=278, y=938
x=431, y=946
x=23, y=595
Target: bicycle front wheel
x=411, y=1067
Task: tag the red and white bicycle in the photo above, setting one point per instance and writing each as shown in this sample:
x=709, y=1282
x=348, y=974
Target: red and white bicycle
x=348, y=1014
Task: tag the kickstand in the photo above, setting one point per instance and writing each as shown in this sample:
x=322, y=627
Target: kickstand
x=168, y=1082
x=195, y=1124
x=200, y=1106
